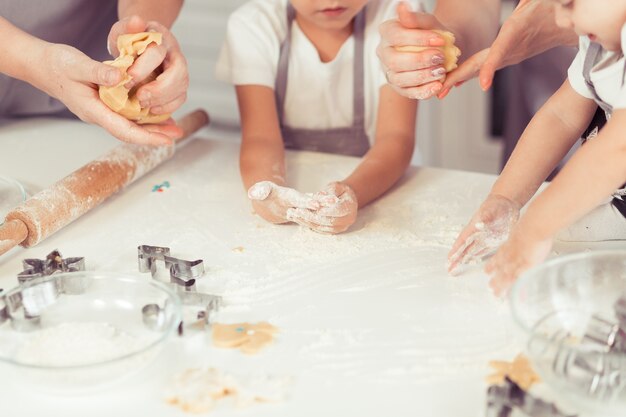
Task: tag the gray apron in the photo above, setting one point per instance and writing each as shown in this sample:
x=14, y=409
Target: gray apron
x=83, y=24
x=351, y=140
x=591, y=59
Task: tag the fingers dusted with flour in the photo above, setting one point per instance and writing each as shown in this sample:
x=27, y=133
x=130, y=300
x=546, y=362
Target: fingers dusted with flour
x=273, y=202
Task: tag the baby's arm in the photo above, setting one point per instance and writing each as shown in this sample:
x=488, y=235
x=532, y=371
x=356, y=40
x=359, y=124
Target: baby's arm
x=389, y=157
x=547, y=139
x=592, y=175
x=262, y=156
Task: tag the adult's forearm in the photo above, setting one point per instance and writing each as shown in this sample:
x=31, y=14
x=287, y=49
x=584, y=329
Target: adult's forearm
x=475, y=23
x=15, y=61
x=162, y=11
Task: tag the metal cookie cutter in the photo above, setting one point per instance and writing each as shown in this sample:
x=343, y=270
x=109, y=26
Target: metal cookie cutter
x=503, y=399
x=23, y=306
x=54, y=263
x=183, y=275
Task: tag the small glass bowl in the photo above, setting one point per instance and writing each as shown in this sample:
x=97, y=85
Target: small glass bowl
x=567, y=308
x=90, y=329
x=12, y=193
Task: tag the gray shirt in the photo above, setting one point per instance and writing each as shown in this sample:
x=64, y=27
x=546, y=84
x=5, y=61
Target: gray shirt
x=83, y=24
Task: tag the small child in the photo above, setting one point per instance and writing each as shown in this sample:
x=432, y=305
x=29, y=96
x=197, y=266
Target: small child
x=307, y=77
x=586, y=185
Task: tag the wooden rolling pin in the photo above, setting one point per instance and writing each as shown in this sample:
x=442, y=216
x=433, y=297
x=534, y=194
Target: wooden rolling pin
x=50, y=210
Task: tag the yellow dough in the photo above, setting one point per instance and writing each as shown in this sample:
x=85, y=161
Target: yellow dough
x=119, y=98
x=519, y=371
x=450, y=52
x=249, y=338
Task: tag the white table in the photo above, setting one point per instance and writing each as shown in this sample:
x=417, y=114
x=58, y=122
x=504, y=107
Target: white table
x=370, y=322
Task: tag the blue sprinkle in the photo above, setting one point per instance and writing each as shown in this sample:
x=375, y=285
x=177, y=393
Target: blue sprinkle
x=239, y=329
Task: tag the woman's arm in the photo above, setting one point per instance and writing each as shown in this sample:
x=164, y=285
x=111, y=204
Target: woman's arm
x=68, y=75
x=387, y=160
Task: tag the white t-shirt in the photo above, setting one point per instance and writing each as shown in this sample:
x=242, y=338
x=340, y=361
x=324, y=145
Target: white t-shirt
x=607, y=75
x=319, y=95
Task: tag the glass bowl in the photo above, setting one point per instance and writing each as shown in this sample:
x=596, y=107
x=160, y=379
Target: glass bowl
x=12, y=193
x=573, y=311
x=82, y=330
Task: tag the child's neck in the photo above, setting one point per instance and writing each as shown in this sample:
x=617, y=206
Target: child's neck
x=328, y=42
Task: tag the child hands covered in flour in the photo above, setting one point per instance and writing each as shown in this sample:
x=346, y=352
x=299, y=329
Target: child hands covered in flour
x=582, y=202
x=307, y=77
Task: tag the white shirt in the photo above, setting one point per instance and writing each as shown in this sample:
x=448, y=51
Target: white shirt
x=606, y=76
x=319, y=95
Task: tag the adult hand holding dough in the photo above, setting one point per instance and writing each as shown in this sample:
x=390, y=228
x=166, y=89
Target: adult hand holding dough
x=417, y=72
x=529, y=31
x=168, y=91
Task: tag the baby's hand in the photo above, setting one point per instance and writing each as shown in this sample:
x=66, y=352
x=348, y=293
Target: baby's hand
x=272, y=202
x=337, y=210
x=488, y=229
x=520, y=252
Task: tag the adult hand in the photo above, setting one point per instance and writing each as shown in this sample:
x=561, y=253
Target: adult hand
x=530, y=30
x=169, y=91
x=416, y=75
x=72, y=77
x=273, y=202
x=521, y=252
x=489, y=228
x=337, y=210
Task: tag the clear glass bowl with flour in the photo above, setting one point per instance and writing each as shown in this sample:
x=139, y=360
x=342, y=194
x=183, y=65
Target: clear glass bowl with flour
x=573, y=311
x=80, y=331
x=12, y=193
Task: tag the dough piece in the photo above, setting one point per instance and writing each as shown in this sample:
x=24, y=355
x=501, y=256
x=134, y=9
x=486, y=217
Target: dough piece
x=119, y=98
x=198, y=391
x=450, y=52
x=519, y=371
x=201, y=390
x=249, y=338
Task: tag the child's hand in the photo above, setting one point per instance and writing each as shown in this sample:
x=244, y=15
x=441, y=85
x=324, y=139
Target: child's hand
x=488, y=229
x=272, y=202
x=520, y=252
x=337, y=210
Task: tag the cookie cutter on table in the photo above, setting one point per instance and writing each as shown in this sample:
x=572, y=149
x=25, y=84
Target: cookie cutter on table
x=503, y=399
x=598, y=365
x=183, y=275
x=52, y=264
x=23, y=308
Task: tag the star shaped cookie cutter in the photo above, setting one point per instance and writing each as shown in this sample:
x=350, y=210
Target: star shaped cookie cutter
x=52, y=264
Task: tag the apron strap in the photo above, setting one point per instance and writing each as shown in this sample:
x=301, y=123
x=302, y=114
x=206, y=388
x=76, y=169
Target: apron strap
x=283, y=64
x=591, y=59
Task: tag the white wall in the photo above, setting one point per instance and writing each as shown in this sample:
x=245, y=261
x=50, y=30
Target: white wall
x=451, y=134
